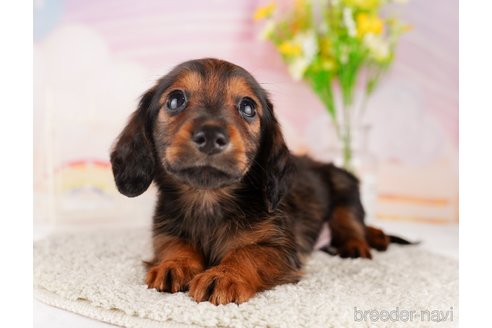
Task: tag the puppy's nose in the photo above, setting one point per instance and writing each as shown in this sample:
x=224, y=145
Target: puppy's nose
x=210, y=139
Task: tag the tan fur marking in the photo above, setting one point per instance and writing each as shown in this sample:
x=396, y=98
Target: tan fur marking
x=348, y=234
x=344, y=224
x=175, y=264
x=203, y=200
x=238, y=87
x=160, y=242
x=241, y=274
x=189, y=80
x=238, y=148
x=263, y=231
x=179, y=142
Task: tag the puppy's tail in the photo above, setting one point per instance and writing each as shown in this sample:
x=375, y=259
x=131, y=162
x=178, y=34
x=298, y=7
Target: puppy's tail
x=398, y=240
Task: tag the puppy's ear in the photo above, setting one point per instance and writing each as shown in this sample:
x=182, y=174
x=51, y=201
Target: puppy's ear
x=279, y=168
x=132, y=158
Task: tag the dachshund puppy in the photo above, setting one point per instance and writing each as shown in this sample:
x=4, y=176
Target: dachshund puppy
x=237, y=213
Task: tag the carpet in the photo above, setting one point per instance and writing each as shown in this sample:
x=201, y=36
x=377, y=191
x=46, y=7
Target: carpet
x=100, y=275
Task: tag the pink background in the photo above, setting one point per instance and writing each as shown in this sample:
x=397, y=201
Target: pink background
x=93, y=59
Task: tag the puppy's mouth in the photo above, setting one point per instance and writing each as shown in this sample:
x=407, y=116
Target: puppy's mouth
x=205, y=177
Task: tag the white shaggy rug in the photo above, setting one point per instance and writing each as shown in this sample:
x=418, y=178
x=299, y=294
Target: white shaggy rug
x=100, y=275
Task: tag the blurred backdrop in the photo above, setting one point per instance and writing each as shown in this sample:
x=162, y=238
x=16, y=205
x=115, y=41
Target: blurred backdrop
x=94, y=58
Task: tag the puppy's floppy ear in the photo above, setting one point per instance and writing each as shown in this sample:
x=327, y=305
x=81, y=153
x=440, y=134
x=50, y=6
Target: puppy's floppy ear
x=279, y=168
x=132, y=158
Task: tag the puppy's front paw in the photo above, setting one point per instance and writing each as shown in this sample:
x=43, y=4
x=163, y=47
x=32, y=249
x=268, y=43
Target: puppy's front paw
x=172, y=275
x=221, y=285
x=355, y=248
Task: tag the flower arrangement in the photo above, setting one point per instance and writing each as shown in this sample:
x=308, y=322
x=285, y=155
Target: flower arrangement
x=334, y=45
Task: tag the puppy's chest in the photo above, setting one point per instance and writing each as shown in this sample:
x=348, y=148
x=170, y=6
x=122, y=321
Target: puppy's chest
x=205, y=205
x=209, y=222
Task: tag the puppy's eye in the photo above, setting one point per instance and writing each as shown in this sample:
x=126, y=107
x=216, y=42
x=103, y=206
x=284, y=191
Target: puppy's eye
x=247, y=107
x=176, y=101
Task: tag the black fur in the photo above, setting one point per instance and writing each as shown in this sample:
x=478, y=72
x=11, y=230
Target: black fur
x=133, y=160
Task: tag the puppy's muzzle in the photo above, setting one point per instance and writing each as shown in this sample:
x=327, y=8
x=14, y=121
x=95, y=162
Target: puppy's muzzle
x=210, y=139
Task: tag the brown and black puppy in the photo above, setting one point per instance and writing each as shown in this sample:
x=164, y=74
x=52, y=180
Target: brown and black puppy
x=237, y=213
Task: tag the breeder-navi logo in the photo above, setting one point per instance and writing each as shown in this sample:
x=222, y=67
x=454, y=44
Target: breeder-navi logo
x=397, y=314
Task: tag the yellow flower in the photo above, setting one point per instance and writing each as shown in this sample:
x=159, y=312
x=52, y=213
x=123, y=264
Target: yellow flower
x=325, y=46
x=369, y=24
x=290, y=49
x=363, y=4
x=328, y=64
x=266, y=11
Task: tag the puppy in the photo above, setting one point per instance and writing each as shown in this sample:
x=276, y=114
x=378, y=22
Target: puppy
x=237, y=213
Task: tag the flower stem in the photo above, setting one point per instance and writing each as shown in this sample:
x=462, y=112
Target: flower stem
x=346, y=139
